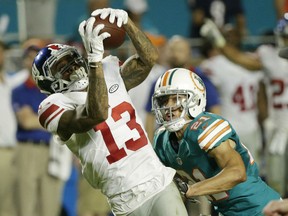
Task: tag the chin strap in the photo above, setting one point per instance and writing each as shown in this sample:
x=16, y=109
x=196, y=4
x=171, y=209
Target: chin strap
x=79, y=85
x=176, y=125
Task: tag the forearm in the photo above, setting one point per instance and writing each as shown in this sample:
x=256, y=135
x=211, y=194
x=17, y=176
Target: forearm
x=224, y=181
x=145, y=49
x=244, y=60
x=31, y=123
x=97, y=98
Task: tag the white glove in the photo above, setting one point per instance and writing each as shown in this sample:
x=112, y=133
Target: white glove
x=211, y=32
x=121, y=15
x=93, y=42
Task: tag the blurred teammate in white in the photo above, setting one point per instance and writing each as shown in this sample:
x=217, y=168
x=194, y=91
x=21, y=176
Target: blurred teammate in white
x=242, y=93
x=89, y=109
x=275, y=69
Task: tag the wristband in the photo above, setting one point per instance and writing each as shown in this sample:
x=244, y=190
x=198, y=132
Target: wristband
x=95, y=64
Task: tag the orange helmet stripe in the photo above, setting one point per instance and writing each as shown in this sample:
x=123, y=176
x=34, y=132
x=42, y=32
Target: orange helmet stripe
x=165, y=78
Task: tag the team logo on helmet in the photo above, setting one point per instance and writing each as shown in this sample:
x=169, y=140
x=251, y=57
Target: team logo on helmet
x=198, y=82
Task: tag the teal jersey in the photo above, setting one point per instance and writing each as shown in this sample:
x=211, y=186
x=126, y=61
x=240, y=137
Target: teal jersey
x=204, y=133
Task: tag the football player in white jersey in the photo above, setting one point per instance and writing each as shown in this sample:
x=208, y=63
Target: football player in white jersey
x=88, y=109
x=275, y=69
x=242, y=94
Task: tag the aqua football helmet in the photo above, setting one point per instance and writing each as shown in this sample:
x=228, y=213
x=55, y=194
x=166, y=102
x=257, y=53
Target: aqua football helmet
x=189, y=94
x=59, y=68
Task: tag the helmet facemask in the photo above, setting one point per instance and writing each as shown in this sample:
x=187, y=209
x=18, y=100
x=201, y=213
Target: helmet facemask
x=178, y=92
x=183, y=101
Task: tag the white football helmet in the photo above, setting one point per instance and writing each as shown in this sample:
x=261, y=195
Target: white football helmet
x=50, y=78
x=190, y=94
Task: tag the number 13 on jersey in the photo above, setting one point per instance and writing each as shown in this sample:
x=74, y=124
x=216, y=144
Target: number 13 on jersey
x=117, y=153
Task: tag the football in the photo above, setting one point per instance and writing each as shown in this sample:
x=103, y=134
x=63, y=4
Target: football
x=117, y=34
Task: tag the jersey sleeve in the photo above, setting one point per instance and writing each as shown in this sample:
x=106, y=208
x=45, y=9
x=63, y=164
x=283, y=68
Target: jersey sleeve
x=51, y=109
x=213, y=133
x=157, y=144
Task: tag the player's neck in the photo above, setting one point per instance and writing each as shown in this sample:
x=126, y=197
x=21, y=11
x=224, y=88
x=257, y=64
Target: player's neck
x=179, y=134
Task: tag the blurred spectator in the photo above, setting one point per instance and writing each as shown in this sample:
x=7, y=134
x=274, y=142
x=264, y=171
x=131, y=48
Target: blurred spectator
x=179, y=55
x=281, y=7
x=91, y=201
x=70, y=193
x=38, y=192
x=91, y=6
x=7, y=137
x=220, y=11
x=137, y=10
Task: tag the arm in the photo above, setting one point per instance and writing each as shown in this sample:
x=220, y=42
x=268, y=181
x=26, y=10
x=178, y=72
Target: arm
x=95, y=111
x=247, y=61
x=28, y=119
x=136, y=69
x=276, y=207
x=233, y=172
x=210, y=31
x=262, y=103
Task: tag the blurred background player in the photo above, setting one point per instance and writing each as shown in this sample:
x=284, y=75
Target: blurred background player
x=8, y=142
x=222, y=12
x=275, y=69
x=38, y=192
x=278, y=207
x=242, y=92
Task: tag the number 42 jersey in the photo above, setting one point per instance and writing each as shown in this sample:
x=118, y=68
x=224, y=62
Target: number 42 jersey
x=204, y=133
x=116, y=155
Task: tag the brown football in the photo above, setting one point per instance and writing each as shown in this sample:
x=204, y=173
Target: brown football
x=117, y=34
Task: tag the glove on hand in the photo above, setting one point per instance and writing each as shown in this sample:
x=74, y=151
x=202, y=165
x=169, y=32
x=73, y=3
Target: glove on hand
x=121, y=15
x=93, y=42
x=183, y=188
x=211, y=32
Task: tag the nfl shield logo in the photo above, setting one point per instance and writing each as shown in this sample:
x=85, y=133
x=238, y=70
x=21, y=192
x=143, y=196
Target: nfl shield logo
x=179, y=161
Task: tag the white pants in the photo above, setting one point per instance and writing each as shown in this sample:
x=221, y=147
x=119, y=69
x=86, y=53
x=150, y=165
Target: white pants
x=168, y=202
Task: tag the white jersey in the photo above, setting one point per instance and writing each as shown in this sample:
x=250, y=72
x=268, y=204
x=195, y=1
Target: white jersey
x=238, y=89
x=116, y=155
x=276, y=69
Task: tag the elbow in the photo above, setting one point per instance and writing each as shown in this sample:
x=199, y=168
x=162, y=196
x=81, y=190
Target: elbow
x=155, y=57
x=104, y=116
x=240, y=176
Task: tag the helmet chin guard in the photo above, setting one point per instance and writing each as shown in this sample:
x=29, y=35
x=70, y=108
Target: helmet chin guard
x=188, y=92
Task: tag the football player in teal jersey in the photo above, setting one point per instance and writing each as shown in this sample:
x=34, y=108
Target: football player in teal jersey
x=205, y=148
